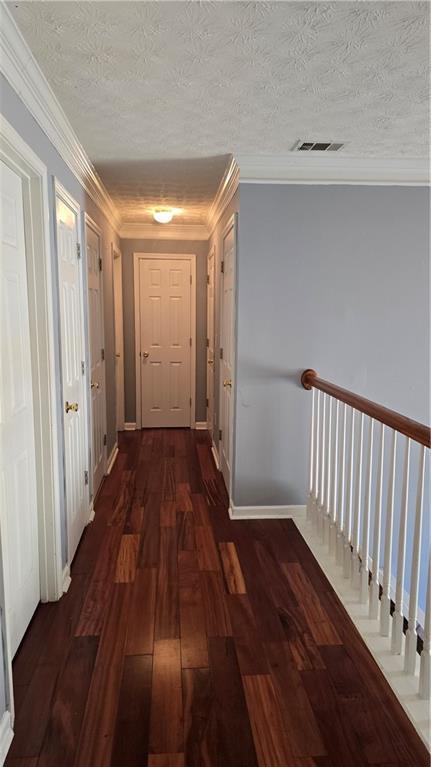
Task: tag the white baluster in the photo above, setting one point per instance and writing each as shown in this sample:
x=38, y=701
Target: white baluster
x=374, y=586
x=356, y=533
x=312, y=456
x=321, y=505
x=411, y=634
x=425, y=668
x=347, y=563
x=342, y=490
x=317, y=465
x=385, y=607
x=333, y=525
x=365, y=545
x=326, y=519
x=399, y=614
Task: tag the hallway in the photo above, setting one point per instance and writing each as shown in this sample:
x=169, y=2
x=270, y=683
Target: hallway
x=186, y=634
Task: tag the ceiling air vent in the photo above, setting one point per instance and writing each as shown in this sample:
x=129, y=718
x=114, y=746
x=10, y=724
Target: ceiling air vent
x=316, y=146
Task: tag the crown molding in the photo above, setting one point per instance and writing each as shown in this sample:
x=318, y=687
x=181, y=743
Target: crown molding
x=22, y=71
x=225, y=192
x=323, y=168
x=137, y=231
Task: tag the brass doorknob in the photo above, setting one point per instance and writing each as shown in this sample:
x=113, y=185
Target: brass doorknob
x=71, y=406
x=95, y=385
x=145, y=354
x=210, y=362
x=227, y=383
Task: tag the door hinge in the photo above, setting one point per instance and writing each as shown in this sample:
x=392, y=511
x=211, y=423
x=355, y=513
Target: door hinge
x=78, y=250
x=190, y=401
x=102, y=354
x=208, y=279
x=208, y=343
x=83, y=368
x=190, y=341
x=86, y=477
x=221, y=352
x=208, y=402
x=104, y=439
x=222, y=267
x=191, y=280
x=100, y=264
x=220, y=434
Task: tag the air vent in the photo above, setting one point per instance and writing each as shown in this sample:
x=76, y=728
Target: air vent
x=317, y=146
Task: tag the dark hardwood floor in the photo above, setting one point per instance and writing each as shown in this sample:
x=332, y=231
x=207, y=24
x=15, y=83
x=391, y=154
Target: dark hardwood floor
x=187, y=639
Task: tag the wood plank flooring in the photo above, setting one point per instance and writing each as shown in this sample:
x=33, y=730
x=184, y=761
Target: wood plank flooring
x=189, y=640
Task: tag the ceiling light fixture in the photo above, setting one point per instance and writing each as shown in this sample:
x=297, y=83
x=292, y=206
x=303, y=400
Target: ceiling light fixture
x=163, y=215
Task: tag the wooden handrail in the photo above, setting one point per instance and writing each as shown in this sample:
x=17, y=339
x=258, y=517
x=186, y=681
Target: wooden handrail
x=413, y=429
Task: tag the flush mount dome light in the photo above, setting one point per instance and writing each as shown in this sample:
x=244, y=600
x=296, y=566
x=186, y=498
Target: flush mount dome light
x=163, y=215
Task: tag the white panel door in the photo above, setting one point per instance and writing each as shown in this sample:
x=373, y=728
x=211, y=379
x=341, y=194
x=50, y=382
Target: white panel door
x=227, y=361
x=19, y=522
x=72, y=362
x=165, y=303
x=119, y=338
x=97, y=355
x=210, y=340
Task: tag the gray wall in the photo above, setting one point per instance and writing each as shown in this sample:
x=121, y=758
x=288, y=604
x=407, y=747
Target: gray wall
x=200, y=249
x=17, y=114
x=330, y=277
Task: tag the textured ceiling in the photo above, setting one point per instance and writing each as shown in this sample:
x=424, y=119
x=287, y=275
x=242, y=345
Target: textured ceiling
x=143, y=82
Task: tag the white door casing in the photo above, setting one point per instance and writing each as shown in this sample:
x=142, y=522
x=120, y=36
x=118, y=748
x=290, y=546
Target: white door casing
x=165, y=328
x=210, y=339
x=119, y=336
x=227, y=346
x=93, y=241
x=18, y=491
x=73, y=365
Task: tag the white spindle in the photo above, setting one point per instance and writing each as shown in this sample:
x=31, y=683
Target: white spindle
x=425, y=667
x=319, y=397
x=312, y=456
x=356, y=532
x=347, y=563
x=365, y=544
x=399, y=614
x=385, y=607
x=325, y=529
x=342, y=489
x=374, y=586
x=333, y=526
x=411, y=634
x=321, y=503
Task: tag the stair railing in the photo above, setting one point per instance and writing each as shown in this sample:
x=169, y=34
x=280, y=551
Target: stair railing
x=366, y=499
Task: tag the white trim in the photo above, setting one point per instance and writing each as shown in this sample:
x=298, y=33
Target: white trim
x=112, y=458
x=224, y=194
x=20, y=68
x=88, y=221
x=232, y=223
x=266, y=512
x=129, y=426
x=61, y=193
x=173, y=231
x=215, y=456
x=67, y=579
x=92, y=512
x=117, y=254
x=6, y=735
x=193, y=334
x=405, y=686
x=323, y=168
x=201, y=425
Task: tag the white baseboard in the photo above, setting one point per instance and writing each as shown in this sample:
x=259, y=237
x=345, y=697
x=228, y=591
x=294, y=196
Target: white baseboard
x=111, y=459
x=266, y=512
x=215, y=456
x=67, y=580
x=91, y=514
x=6, y=735
x=201, y=425
x=405, y=686
x=130, y=426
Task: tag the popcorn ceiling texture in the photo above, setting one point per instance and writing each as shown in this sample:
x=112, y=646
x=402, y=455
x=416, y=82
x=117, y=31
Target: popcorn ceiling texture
x=143, y=82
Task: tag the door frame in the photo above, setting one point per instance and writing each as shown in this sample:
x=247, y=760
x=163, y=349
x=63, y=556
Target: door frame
x=116, y=254
x=63, y=194
x=41, y=284
x=191, y=257
x=232, y=223
x=212, y=253
x=88, y=221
